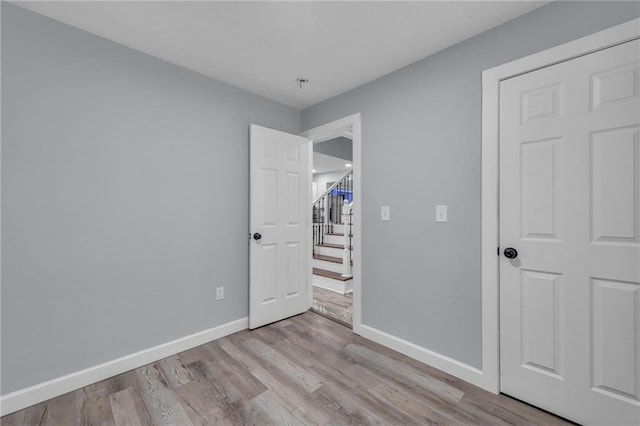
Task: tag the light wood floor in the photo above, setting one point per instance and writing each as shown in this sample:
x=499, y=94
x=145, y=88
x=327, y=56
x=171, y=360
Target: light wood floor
x=304, y=370
x=335, y=305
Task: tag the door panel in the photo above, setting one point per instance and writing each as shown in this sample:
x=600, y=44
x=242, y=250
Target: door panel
x=279, y=211
x=616, y=347
x=539, y=179
x=615, y=86
x=294, y=254
x=570, y=205
x=542, y=318
x=268, y=268
x=269, y=198
x=615, y=190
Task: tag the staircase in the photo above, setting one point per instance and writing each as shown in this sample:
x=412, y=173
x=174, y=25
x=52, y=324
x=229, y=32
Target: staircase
x=333, y=237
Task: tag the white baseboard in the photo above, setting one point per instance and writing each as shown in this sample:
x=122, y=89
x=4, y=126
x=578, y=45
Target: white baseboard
x=448, y=365
x=26, y=397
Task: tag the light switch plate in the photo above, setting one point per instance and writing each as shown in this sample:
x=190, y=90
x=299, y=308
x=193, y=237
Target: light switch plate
x=385, y=213
x=441, y=213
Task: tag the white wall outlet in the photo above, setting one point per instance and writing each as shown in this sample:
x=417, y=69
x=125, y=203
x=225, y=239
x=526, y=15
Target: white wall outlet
x=219, y=293
x=441, y=213
x=385, y=213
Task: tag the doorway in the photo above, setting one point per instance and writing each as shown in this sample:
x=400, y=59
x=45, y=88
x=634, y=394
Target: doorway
x=335, y=288
x=332, y=213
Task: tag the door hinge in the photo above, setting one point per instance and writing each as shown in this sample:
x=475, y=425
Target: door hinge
x=498, y=251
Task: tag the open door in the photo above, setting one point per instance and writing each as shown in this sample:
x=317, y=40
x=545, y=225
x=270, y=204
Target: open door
x=279, y=216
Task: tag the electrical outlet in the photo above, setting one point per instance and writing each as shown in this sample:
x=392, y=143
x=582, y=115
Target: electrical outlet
x=219, y=293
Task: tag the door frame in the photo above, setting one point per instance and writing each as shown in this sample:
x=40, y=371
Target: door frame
x=491, y=78
x=329, y=131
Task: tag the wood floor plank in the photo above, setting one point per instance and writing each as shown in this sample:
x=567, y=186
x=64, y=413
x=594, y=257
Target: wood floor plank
x=61, y=410
x=413, y=383
x=281, y=411
x=297, y=374
x=328, y=401
x=93, y=401
x=291, y=349
x=317, y=324
x=350, y=388
x=410, y=405
x=236, y=409
x=380, y=361
x=356, y=402
x=96, y=411
x=510, y=410
x=367, y=378
x=496, y=413
x=333, y=304
x=105, y=388
x=304, y=370
x=277, y=384
x=174, y=371
x=162, y=405
x=128, y=409
x=33, y=415
x=227, y=368
x=200, y=403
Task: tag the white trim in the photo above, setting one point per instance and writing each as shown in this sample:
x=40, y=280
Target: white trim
x=26, y=397
x=490, y=174
x=328, y=131
x=448, y=365
x=333, y=290
x=309, y=213
x=336, y=286
x=1, y=210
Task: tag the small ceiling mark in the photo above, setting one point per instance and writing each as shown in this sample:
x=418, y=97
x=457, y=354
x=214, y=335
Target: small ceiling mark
x=301, y=81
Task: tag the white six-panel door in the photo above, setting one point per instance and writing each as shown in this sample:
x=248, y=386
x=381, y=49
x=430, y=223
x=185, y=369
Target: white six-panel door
x=570, y=206
x=279, y=212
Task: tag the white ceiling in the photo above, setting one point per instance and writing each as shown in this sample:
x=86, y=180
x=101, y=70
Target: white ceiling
x=264, y=46
x=323, y=163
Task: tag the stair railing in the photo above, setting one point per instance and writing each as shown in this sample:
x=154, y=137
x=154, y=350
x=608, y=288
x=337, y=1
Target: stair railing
x=347, y=253
x=327, y=208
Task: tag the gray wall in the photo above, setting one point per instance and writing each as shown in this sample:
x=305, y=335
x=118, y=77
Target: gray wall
x=322, y=179
x=124, y=199
x=339, y=147
x=421, y=133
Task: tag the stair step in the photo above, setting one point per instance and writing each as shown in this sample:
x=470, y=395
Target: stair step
x=336, y=246
x=333, y=239
x=328, y=261
x=338, y=228
x=339, y=234
x=330, y=274
x=327, y=258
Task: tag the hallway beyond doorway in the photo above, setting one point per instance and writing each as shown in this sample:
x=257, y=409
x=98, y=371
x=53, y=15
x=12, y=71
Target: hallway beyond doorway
x=334, y=305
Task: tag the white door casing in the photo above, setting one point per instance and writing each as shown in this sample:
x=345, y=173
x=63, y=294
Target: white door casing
x=570, y=205
x=280, y=203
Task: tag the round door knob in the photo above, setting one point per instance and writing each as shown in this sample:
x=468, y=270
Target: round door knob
x=510, y=253
x=257, y=236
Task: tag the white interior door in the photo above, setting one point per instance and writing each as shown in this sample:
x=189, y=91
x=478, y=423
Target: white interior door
x=570, y=206
x=280, y=205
